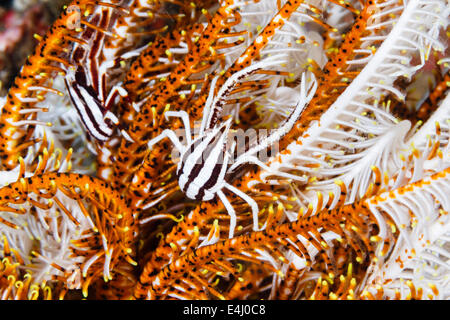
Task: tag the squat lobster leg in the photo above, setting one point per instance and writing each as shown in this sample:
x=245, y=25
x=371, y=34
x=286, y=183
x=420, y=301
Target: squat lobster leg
x=252, y=203
x=167, y=133
x=185, y=118
x=230, y=211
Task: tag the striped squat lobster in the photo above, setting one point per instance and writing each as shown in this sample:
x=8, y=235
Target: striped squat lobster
x=86, y=79
x=205, y=162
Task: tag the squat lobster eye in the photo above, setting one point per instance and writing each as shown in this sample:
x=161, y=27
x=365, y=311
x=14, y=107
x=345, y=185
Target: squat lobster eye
x=206, y=160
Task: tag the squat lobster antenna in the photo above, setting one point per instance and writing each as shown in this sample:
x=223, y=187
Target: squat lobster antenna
x=214, y=104
x=285, y=127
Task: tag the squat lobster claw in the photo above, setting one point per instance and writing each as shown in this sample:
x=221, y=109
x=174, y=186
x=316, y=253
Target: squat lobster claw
x=206, y=160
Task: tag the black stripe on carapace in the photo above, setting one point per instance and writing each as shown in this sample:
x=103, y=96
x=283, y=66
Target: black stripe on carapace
x=205, y=155
x=212, y=181
x=75, y=87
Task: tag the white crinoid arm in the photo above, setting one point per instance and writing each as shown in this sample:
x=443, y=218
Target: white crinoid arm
x=276, y=101
x=44, y=236
x=429, y=147
x=355, y=134
x=421, y=258
x=441, y=117
x=421, y=252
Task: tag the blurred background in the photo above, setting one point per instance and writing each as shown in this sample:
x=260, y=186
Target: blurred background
x=19, y=21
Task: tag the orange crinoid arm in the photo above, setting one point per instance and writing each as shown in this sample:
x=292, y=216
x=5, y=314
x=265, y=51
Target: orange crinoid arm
x=18, y=118
x=360, y=228
x=105, y=224
x=131, y=154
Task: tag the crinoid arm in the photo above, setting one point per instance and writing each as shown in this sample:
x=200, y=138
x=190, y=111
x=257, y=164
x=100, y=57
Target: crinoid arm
x=232, y=149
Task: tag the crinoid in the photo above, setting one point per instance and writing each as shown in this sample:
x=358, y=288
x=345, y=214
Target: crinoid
x=257, y=149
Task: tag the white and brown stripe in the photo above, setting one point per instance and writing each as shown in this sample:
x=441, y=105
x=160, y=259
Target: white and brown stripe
x=203, y=165
x=86, y=84
x=89, y=107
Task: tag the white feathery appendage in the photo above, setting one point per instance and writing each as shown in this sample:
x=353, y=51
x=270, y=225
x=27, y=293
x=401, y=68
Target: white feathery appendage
x=421, y=253
x=53, y=232
x=355, y=133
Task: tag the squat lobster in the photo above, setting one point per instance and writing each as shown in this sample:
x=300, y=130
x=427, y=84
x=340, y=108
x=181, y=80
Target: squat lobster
x=206, y=160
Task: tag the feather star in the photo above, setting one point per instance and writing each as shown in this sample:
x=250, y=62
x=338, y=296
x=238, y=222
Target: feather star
x=230, y=149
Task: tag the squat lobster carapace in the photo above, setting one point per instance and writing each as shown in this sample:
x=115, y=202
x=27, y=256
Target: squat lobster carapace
x=205, y=161
x=94, y=113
